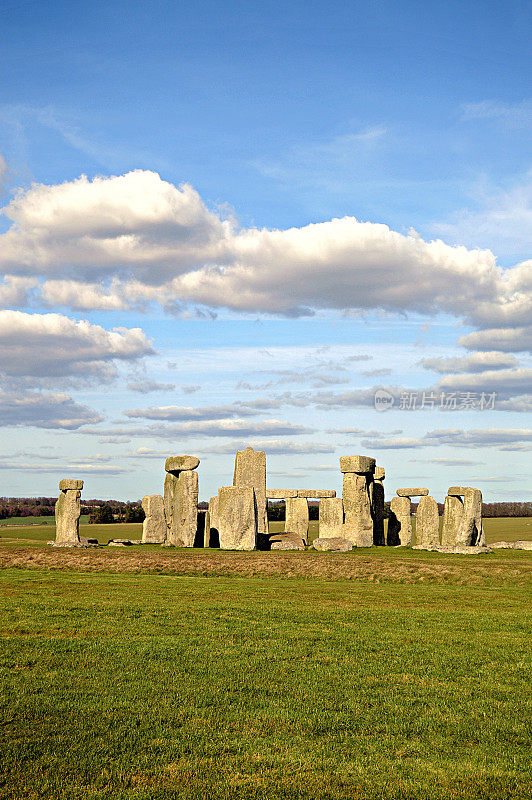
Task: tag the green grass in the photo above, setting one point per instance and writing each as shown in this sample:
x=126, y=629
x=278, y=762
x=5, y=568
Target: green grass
x=155, y=686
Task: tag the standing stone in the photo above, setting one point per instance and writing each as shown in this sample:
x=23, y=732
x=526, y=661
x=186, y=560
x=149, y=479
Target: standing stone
x=67, y=513
x=358, y=527
x=399, y=522
x=296, y=516
x=427, y=522
x=331, y=517
x=213, y=511
x=207, y=529
x=377, y=506
x=470, y=531
x=453, y=509
x=237, y=518
x=154, y=525
x=250, y=470
x=181, y=508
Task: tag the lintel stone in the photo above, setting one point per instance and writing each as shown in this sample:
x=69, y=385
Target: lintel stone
x=416, y=492
x=280, y=494
x=181, y=463
x=70, y=483
x=360, y=464
x=457, y=491
x=379, y=474
x=316, y=493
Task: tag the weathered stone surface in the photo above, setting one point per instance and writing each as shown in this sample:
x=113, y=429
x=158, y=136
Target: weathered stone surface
x=399, y=522
x=379, y=474
x=316, y=493
x=154, y=525
x=416, y=492
x=288, y=536
x=207, y=529
x=427, y=522
x=453, y=509
x=358, y=526
x=521, y=545
x=213, y=511
x=237, y=518
x=503, y=545
x=457, y=550
x=70, y=483
x=360, y=464
x=470, y=530
x=181, y=507
x=457, y=491
x=280, y=494
x=250, y=470
x=331, y=517
x=118, y=543
x=335, y=544
x=67, y=513
x=177, y=464
x=287, y=544
x=377, y=511
x=296, y=516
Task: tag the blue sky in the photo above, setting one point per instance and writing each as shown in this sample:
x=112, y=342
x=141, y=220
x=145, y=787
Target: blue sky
x=285, y=207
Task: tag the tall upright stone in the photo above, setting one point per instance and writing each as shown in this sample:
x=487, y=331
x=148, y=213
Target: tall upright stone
x=453, y=509
x=296, y=516
x=377, y=506
x=400, y=522
x=331, y=517
x=67, y=513
x=181, y=500
x=154, y=525
x=237, y=518
x=427, y=522
x=470, y=530
x=250, y=470
x=357, y=493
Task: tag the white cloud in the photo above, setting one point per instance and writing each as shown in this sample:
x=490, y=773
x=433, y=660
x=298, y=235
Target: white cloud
x=44, y=410
x=273, y=447
x=122, y=241
x=511, y=115
x=44, y=345
x=511, y=340
x=209, y=428
x=503, y=382
x=478, y=362
x=181, y=413
x=148, y=386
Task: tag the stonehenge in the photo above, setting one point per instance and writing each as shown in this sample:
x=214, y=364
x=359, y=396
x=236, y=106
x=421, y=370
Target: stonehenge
x=331, y=517
x=181, y=500
x=237, y=516
x=297, y=517
x=250, y=470
x=154, y=525
x=67, y=513
x=357, y=494
x=427, y=522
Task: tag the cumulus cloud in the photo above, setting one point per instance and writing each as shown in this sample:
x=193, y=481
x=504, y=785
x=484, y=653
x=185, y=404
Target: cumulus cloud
x=44, y=345
x=181, y=413
x=456, y=437
x=44, y=410
x=478, y=362
x=504, y=382
x=511, y=340
x=121, y=241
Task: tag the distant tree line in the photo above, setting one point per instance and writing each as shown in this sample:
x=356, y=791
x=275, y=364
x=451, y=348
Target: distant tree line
x=106, y=511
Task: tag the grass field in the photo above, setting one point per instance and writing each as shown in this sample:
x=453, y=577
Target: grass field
x=157, y=686
x=147, y=673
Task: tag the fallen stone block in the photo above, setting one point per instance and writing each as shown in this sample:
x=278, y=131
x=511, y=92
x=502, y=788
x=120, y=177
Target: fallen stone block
x=120, y=542
x=522, y=545
x=335, y=544
x=287, y=545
